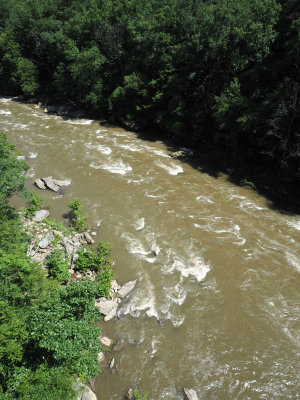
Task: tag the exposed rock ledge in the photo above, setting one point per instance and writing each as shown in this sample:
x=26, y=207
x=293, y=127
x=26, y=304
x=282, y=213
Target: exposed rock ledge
x=51, y=184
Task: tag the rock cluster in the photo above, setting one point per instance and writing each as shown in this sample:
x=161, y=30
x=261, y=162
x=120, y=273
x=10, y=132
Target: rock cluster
x=50, y=183
x=108, y=307
x=43, y=242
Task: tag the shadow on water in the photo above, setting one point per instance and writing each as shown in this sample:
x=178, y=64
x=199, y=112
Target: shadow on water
x=282, y=196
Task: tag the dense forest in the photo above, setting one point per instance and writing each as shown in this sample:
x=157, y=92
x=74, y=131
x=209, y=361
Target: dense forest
x=48, y=335
x=221, y=76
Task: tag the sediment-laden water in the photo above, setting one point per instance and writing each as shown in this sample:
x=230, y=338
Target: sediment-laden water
x=218, y=303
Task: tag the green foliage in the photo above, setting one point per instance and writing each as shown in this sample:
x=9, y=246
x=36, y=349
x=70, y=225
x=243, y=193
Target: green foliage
x=58, y=226
x=99, y=261
x=139, y=396
x=245, y=182
x=27, y=75
x=77, y=218
x=62, y=327
x=47, y=331
x=35, y=202
x=11, y=170
x=58, y=265
x=45, y=382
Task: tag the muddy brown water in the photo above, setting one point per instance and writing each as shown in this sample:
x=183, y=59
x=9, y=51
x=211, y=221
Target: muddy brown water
x=218, y=303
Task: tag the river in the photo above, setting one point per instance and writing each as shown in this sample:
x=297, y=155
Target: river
x=218, y=301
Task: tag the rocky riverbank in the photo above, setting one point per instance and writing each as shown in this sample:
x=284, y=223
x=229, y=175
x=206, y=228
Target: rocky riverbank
x=47, y=236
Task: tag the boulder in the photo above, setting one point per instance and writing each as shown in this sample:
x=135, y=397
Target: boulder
x=106, y=306
x=106, y=341
x=190, y=394
x=62, y=183
x=127, y=288
x=101, y=358
x=112, y=363
x=50, y=184
x=110, y=316
x=130, y=394
x=44, y=243
x=114, y=286
x=88, y=395
x=68, y=246
x=40, y=184
x=87, y=238
x=40, y=215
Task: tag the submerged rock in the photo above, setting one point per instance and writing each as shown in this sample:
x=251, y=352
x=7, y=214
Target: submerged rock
x=40, y=215
x=127, y=288
x=190, y=394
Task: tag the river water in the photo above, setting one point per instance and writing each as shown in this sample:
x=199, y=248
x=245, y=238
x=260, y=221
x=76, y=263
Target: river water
x=218, y=301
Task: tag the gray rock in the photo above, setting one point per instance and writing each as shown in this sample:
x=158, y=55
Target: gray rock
x=112, y=363
x=44, y=243
x=110, y=315
x=87, y=238
x=50, y=184
x=101, y=358
x=40, y=215
x=127, y=288
x=130, y=394
x=68, y=246
x=88, y=395
x=61, y=183
x=190, y=394
x=40, y=184
x=106, y=341
x=106, y=306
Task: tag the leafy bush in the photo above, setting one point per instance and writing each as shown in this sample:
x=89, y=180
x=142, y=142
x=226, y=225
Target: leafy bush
x=77, y=218
x=59, y=226
x=35, y=202
x=99, y=261
x=58, y=265
x=245, y=182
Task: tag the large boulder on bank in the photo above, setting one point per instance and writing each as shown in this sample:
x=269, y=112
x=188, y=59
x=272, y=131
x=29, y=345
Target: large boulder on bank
x=106, y=306
x=190, y=394
x=40, y=215
x=127, y=288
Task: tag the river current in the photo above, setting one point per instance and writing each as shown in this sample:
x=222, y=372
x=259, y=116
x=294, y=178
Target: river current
x=218, y=301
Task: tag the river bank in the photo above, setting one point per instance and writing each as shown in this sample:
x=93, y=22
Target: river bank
x=48, y=236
